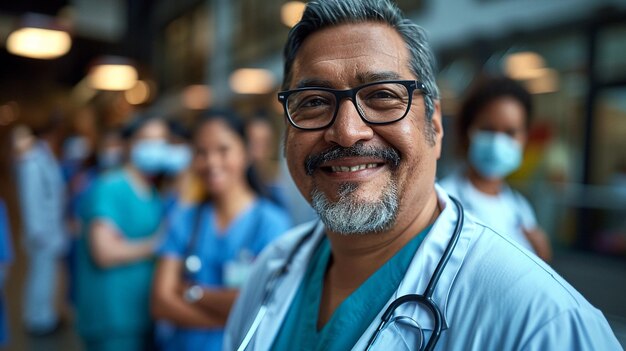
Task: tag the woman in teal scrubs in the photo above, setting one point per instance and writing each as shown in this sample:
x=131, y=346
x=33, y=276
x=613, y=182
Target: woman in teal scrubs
x=116, y=254
x=209, y=246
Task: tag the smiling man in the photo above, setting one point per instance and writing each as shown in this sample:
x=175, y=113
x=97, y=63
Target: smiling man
x=393, y=264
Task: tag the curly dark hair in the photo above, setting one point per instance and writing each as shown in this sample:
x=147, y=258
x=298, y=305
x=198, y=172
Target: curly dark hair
x=483, y=92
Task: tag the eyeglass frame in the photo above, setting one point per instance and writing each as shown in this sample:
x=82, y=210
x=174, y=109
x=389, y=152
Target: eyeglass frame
x=410, y=85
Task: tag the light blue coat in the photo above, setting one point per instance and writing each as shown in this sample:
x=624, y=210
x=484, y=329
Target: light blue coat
x=42, y=199
x=495, y=295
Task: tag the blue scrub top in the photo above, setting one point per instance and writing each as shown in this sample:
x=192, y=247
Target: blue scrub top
x=6, y=257
x=350, y=320
x=6, y=249
x=115, y=300
x=251, y=231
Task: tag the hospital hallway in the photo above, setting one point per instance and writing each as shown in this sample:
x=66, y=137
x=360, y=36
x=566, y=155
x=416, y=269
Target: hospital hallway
x=601, y=279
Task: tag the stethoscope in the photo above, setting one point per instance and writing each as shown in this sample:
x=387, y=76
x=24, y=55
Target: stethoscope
x=192, y=264
x=425, y=299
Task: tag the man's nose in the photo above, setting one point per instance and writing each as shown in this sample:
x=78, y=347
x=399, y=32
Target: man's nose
x=348, y=128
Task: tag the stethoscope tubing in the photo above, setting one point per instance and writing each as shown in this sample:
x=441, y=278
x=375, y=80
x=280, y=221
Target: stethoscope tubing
x=425, y=299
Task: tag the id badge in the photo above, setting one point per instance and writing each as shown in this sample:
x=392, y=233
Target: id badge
x=236, y=272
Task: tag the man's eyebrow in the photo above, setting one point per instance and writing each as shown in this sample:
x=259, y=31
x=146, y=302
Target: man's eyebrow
x=370, y=77
x=304, y=83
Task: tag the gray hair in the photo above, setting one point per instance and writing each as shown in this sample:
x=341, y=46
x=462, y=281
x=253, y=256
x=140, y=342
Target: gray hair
x=325, y=13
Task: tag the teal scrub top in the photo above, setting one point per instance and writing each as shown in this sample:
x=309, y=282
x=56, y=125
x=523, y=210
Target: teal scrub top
x=352, y=317
x=115, y=300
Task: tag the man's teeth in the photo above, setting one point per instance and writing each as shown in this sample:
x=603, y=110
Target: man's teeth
x=353, y=168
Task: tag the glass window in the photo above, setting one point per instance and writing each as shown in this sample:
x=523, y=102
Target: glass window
x=610, y=53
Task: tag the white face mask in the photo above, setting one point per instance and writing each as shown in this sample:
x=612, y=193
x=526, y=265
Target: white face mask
x=494, y=155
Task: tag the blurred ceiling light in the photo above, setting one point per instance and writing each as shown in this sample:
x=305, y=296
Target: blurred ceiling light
x=291, y=12
x=197, y=97
x=546, y=82
x=138, y=94
x=113, y=73
x=524, y=65
x=39, y=37
x=252, y=81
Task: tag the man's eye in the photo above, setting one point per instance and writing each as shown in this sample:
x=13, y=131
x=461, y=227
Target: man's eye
x=315, y=101
x=382, y=94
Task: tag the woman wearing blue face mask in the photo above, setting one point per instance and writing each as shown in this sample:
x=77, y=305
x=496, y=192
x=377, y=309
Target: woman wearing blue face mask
x=116, y=253
x=492, y=130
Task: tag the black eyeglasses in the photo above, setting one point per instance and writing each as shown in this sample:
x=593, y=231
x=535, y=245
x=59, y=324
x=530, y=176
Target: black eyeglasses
x=314, y=108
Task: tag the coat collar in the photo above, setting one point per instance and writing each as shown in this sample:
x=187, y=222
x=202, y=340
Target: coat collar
x=288, y=285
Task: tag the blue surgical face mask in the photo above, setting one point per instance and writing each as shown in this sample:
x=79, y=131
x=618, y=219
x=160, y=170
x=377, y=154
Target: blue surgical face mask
x=178, y=158
x=149, y=156
x=494, y=155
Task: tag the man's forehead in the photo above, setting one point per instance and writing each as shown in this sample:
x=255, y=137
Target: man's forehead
x=360, y=52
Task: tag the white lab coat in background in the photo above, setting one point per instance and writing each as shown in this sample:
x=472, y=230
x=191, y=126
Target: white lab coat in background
x=495, y=295
x=506, y=213
x=42, y=198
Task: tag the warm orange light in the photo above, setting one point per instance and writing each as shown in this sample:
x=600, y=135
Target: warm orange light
x=252, y=81
x=116, y=75
x=197, y=97
x=39, y=43
x=291, y=12
x=524, y=65
x=138, y=94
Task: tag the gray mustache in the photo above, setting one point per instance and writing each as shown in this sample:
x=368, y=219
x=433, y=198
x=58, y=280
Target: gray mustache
x=389, y=154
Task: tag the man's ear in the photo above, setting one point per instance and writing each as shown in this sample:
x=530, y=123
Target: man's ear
x=437, y=126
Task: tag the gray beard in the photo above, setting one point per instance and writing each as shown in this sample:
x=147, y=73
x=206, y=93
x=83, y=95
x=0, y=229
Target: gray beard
x=348, y=216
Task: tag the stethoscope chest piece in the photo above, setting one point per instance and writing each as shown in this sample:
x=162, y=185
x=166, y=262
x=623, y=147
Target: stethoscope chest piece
x=193, y=264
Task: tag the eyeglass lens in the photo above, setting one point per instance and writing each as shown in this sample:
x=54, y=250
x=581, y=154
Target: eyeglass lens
x=378, y=103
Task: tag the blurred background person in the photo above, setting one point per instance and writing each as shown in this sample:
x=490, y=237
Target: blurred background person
x=79, y=164
x=272, y=170
x=6, y=259
x=210, y=245
x=262, y=148
x=115, y=255
x=42, y=197
x=493, y=125
x=110, y=150
x=180, y=184
x=78, y=151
